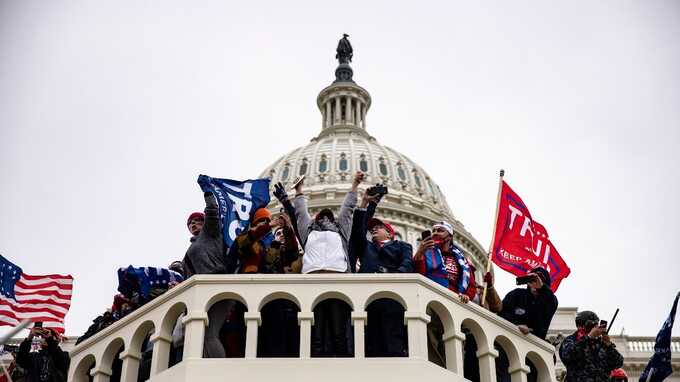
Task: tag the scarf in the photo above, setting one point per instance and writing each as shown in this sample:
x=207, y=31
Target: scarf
x=462, y=278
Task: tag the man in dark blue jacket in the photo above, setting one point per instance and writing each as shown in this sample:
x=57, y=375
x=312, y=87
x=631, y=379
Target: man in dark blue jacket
x=386, y=336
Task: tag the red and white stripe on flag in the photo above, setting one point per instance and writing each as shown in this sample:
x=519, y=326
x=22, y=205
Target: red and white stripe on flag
x=43, y=299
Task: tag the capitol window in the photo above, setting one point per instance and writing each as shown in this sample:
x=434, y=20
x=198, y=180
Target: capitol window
x=417, y=179
x=400, y=172
x=363, y=163
x=382, y=166
x=303, y=167
x=323, y=164
x=343, y=166
x=285, y=173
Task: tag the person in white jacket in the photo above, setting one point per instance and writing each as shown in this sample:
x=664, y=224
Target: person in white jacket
x=325, y=240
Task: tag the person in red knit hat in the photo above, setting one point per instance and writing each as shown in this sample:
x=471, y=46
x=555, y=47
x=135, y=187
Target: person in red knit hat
x=618, y=375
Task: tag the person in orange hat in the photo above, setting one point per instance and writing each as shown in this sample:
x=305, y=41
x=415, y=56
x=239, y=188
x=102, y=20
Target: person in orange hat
x=249, y=247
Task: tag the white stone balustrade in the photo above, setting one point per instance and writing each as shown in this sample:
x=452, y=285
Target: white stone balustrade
x=414, y=292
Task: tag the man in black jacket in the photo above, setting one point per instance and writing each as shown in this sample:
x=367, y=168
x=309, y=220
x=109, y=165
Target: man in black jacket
x=531, y=308
x=46, y=363
x=589, y=354
x=381, y=254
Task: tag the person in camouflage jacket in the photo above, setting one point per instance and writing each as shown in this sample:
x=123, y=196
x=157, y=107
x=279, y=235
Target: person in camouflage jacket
x=589, y=354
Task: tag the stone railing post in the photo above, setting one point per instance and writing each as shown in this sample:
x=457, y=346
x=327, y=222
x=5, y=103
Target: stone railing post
x=130, y=367
x=194, y=334
x=487, y=365
x=519, y=374
x=453, y=348
x=253, y=321
x=161, y=352
x=359, y=320
x=417, y=334
x=305, y=320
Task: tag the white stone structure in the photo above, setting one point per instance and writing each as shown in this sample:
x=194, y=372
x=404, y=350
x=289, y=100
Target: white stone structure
x=343, y=147
x=94, y=357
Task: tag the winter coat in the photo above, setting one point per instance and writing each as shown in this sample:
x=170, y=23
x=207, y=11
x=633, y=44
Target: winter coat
x=450, y=271
x=49, y=364
x=521, y=307
x=206, y=254
x=393, y=256
x=588, y=359
x=326, y=248
x=256, y=257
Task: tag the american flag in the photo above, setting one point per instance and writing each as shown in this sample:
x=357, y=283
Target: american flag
x=37, y=298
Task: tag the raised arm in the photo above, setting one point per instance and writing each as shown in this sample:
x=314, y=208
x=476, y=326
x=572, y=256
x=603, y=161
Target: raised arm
x=211, y=226
x=302, y=217
x=348, y=205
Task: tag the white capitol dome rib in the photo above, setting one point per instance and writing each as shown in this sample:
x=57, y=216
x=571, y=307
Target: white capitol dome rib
x=343, y=147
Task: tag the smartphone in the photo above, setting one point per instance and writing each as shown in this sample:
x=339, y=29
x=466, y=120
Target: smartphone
x=522, y=280
x=300, y=179
x=425, y=234
x=603, y=323
x=38, y=324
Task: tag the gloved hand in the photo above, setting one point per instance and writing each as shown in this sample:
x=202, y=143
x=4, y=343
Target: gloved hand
x=488, y=279
x=280, y=192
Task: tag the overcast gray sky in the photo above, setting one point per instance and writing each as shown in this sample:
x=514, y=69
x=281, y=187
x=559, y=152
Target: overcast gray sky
x=110, y=110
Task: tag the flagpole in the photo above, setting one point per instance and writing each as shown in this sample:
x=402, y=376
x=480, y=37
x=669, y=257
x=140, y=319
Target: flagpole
x=493, y=233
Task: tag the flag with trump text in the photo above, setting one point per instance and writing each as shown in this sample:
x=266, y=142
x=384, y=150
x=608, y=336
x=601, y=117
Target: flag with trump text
x=43, y=299
x=237, y=202
x=521, y=244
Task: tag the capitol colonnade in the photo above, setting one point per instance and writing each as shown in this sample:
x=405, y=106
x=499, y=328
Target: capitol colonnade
x=124, y=339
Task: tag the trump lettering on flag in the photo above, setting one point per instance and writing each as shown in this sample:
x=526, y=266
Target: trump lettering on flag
x=43, y=299
x=521, y=244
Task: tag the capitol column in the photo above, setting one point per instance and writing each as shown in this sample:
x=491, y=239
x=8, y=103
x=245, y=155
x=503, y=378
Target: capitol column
x=253, y=321
x=417, y=334
x=130, y=366
x=359, y=322
x=161, y=352
x=338, y=109
x=305, y=320
x=487, y=365
x=194, y=333
x=453, y=349
x=357, y=114
x=101, y=375
x=348, y=110
x=519, y=374
x=328, y=117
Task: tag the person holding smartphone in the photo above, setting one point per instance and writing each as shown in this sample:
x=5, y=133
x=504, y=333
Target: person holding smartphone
x=589, y=354
x=41, y=357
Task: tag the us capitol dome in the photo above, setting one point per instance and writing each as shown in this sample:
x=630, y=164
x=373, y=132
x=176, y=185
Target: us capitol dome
x=344, y=146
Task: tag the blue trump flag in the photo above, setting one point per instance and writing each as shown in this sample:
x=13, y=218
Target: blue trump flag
x=659, y=366
x=237, y=202
x=143, y=279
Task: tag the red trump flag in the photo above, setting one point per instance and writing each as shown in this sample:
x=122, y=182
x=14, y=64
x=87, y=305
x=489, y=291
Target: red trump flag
x=521, y=244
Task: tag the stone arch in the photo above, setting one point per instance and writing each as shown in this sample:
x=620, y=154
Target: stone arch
x=278, y=334
x=111, y=353
x=276, y=296
x=508, y=356
x=539, y=364
x=140, y=334
x=386, y=294
x=332, y=294
x=225, y=296
x=81, y=373
x=476, y=342
x=140, y=339
x=441, y=325
x=170, y=321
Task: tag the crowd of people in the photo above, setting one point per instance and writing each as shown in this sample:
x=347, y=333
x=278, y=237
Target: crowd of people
x=353, y=241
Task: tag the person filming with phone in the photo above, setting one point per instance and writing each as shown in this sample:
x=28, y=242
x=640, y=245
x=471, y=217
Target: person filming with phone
x=41, y=357
x=589, y=354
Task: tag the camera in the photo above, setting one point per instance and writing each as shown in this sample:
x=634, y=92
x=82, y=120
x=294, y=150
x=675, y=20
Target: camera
x=378, y=189
x=522, y=280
